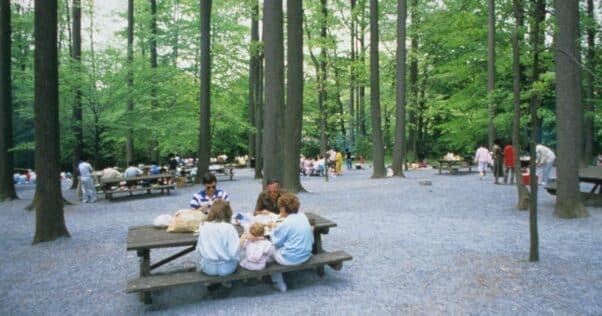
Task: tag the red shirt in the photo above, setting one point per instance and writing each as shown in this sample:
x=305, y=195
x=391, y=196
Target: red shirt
x=508, y=156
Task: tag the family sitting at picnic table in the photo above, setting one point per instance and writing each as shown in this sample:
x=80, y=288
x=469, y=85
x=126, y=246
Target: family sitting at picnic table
x=220, y=248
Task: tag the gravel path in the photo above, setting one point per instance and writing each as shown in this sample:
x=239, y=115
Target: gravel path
x=456, y=247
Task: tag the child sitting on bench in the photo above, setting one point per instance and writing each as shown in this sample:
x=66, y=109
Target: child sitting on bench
x=258, y=249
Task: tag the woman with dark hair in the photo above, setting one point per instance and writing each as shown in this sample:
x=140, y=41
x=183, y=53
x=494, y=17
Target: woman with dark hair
x=498, y=161
x=205, y=198
x=293, y=238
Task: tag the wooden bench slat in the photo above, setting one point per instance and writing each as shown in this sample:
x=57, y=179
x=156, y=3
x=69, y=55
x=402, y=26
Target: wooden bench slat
x=159, y=187
x=161, y=281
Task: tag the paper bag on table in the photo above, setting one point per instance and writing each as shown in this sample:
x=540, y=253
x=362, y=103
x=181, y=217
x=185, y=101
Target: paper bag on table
x=186, y=221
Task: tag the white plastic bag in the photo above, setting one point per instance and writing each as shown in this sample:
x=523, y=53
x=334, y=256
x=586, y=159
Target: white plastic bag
x=186, y=221
x=162, y=220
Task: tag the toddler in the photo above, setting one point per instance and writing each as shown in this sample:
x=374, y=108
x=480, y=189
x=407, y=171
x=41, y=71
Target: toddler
x=258, y=249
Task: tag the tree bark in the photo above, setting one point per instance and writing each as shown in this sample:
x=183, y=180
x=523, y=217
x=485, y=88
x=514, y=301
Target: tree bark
x=400, y=89
x=129, y=145
x=568, y=104
x=153, y=89
x=362, y=86
x=259, y=119
x=377, y=139
x=76, y=121
x=294, y=96
x=588, y=108
x=412, y=132
x=523, y=194
x=50, y=221
x=253, y=72
x=7, y=186
x=274, y=87
x=491, y=69
x=352, y=77
x=205, y=91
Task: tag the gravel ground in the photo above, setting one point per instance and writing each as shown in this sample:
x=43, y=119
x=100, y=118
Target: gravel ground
x=455, y=247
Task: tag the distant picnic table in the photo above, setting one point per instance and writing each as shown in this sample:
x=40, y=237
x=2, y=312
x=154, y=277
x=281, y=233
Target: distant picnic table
x=592, y=175
x=144, y=239
x=452, y=165
x=111, y=186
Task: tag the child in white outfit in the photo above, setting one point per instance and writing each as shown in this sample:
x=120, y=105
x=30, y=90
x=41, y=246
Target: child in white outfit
x=258, y=249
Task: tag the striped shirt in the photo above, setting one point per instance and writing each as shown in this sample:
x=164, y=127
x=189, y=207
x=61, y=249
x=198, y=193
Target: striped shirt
x=199, y=199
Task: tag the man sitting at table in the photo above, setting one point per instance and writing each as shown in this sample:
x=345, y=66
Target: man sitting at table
x=132, y=171
x=204, y=199
x=267, y=201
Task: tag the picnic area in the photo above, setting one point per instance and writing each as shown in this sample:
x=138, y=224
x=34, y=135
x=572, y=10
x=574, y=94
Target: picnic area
x=417, y=250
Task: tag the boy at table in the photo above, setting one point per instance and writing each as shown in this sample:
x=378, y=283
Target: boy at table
x=205, y=198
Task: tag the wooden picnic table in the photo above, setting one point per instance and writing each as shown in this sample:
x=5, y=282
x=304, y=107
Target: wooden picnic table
x=143, y=239
x=139, y=183
x=225, y=170
x=592, y=174
x=451, y=164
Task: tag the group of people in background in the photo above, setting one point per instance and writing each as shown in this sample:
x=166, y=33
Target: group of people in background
x=502, y=162
x=220, y=247
x=318, y=166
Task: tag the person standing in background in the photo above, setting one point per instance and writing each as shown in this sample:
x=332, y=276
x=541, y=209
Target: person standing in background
x=509, y=163
x=498, y=157
x=483, y=158
x=348, y=159
x=545, y=159
x=87, y=182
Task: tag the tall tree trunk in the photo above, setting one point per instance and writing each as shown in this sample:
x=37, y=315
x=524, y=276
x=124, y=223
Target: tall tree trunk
x=294, y=96
x=259, y=105
x=400, y=89
x=377, y=138
x=323, y=73
x=337, y=84
x=76, y=121
x=129, y=144
x=274, y=87
x=537, y=40
x=491, y=69
x=568, y=104
x=253, y=72
x=352, y=78
x=412, y=133
x=50, y=220
x=205, y=91
x=362, y=86
x=7, y=186
x=523, y=194
x=153, y=89
x=588, y=108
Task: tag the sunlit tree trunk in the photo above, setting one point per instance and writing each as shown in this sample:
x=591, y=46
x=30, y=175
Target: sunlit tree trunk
x=400, y=89
x=7, y=186
x=274, y=90
x=294, y=96
x=50, y=220
x=568, y=104
x=205, y=91
x=377, y=138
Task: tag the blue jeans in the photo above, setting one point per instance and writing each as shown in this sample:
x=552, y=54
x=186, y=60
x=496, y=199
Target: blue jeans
x=547, y=169
x=221, y=268
x=349, y=164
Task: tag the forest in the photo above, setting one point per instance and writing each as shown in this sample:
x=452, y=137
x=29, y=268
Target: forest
x=150, y=97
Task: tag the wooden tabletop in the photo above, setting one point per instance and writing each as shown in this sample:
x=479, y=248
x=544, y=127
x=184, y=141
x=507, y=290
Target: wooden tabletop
x=148, y=237
x=591, y=174
x=147, y=177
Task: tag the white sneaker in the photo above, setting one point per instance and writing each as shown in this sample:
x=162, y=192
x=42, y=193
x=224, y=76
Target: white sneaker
x=280, y=286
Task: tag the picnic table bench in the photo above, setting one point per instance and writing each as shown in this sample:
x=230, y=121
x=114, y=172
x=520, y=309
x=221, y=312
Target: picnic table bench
x=112, y=186
x=143, y=239
x=222, y=170
x=593, y=175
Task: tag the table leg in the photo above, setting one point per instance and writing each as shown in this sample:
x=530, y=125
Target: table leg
x=144, y=256
x=317, y=248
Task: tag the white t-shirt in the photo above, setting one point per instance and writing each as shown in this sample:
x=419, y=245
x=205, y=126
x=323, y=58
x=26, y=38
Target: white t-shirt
x=85, y=169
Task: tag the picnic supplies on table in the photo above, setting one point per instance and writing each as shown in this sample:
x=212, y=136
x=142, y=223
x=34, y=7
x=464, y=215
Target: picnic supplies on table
x=186, y=221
